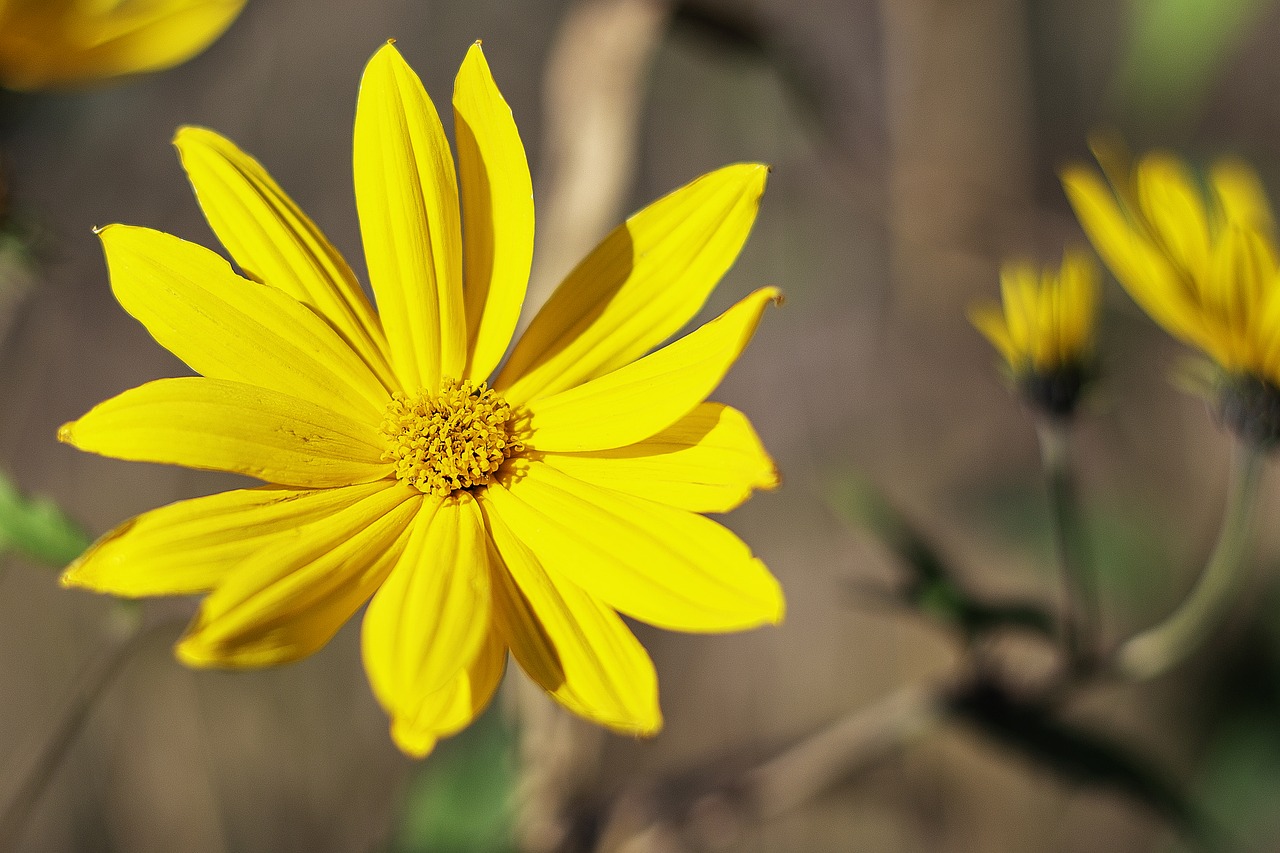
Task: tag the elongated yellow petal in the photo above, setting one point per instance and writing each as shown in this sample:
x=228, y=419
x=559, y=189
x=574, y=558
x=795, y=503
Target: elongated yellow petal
x=287, y=601
x=50, y=44
x=1139, y=266
x=640, y=286
x=1172, y=206
x=226, y=327
x=407, y=198
x=577, y=649
x=229, y=426
x=664, y=566
x=428, y=621
x=452, y=708
x=711, y=460
x=646, y=396
x=497, y=210
x=1240, y=196
x=189, y=547
x=274, y=242
x=989, y=320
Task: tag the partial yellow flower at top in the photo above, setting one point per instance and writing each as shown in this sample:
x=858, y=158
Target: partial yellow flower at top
x=1200, y=258
x=47, y=43
x=481, y=505
x=1044, y=328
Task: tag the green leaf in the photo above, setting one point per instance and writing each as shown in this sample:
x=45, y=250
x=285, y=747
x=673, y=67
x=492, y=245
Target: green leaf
x=462, y=798
x=932, y=587
x=37, y=528
x=1078, y=755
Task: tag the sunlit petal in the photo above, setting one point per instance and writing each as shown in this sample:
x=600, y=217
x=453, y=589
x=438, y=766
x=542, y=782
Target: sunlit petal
x=640, y=286
x=407, y=198
x=229, y=426
x=497, y=210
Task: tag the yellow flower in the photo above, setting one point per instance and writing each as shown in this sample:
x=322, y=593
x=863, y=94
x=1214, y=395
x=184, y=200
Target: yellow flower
x=1046, y=323
x=59, y=42
x=1200, y=261
x=522, y=513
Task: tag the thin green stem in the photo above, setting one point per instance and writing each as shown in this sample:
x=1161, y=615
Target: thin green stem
x=1163, y=646
x=1078, y=609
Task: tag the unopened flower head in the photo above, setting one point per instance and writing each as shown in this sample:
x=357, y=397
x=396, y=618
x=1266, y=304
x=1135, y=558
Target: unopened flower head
x=1200, y=258
x=1044, y=329
x=46, y=43
x=478, y=508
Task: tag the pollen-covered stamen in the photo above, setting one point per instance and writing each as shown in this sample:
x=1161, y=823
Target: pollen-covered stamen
x=453, y=439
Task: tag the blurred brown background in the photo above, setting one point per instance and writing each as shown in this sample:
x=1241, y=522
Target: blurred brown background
x=914, y=145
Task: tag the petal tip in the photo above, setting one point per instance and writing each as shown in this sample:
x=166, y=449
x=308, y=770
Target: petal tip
x=413, y=743
x=67, y=433
x=193, y=653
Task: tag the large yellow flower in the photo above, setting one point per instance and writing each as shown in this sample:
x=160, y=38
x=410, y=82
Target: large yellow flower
x=1201, y=262
x=521, y=515
x=58, y=42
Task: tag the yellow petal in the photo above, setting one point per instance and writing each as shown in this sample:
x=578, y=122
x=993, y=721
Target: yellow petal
x=640, y=286
x=227, y=426
x=287, y=601
x=47, y=44
x=429, y=620
x=1172, y=205
x=226, y=327
x=645, y=397
x=452, y=708
x=1240, y=195
x=664, y=566
x=407, y=198
x=990, y=321
x=1139, y=266
x=711, y=460
x=189, y=547
x=497, y=209
x=274, y=242
x=576, y=648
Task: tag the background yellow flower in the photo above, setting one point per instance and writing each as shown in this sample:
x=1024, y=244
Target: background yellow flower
x=47, y=43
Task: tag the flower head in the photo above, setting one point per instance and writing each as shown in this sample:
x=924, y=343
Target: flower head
x=47, y=43
x=478, y=509
x=1044, y=329
x=1200, y=259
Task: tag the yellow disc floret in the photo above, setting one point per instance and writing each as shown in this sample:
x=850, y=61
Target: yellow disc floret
x=450, y=440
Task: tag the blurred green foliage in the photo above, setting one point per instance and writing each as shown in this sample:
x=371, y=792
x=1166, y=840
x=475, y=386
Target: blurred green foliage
x=932, y=586
x=37, y=529
x=1175, y=51
x=462, y=799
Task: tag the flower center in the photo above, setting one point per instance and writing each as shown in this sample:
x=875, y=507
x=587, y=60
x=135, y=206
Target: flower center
x=454, y=439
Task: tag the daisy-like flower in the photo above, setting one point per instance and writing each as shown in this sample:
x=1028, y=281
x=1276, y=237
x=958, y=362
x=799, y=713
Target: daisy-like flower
x=60, y=42
x=1201, y=260
x=1044, y=329
x=521, y=513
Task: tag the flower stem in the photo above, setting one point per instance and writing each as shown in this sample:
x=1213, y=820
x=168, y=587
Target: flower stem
x=1157, y=649
x=1078, y=613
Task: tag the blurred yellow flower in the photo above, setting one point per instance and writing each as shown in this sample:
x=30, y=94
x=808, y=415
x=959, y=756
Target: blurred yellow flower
x=1044, y=328
x=47, y=43
x=522, y=513
x=1199, y=259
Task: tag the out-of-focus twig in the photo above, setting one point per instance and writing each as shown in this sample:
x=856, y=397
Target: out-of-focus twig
x=594, y=92
x=727, y=807
x=43, y=754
